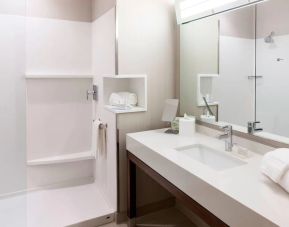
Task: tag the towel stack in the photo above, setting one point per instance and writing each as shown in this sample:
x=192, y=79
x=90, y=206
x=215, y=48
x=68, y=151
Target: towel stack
x=123, y=99
x=275, y=165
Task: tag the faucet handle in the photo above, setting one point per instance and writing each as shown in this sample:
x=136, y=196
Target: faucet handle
x=252, y=127
x=258, y=129
x=227, y=127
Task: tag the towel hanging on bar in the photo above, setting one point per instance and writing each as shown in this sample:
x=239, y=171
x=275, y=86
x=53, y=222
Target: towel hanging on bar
x=102, y=139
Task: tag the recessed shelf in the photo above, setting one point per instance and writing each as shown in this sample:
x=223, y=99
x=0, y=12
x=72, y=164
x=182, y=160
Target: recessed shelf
x=126, y=76
x=205, y=88
x=58, y=76
x=133, y=83
x=117, y=110
x=81, y=156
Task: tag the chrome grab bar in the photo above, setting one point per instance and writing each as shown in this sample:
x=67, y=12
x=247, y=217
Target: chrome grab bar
x=253, y=77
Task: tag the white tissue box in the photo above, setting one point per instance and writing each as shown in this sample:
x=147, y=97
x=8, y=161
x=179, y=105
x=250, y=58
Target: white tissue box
x=187, y=127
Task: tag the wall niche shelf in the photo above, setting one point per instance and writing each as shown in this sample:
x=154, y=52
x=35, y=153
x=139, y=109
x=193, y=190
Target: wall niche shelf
x=58, y=76
x=67, y=158
x=205, y=87
x=134, y=83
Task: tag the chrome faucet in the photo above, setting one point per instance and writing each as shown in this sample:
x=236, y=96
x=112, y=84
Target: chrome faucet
x=228, y=135
x=252, y=127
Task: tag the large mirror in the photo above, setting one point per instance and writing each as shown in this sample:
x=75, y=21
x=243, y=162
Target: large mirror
x=234, y=68
x=218, y=67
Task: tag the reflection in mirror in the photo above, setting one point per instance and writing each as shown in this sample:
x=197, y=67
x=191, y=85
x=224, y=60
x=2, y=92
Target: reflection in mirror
x=272, y=66
x=218, y=67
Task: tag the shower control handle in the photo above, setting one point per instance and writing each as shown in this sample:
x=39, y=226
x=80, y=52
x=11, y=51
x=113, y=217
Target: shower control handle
x=93, y=92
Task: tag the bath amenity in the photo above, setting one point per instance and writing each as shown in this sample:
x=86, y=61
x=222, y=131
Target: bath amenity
x=208, y=118
x=123, y=99
x=275, y=165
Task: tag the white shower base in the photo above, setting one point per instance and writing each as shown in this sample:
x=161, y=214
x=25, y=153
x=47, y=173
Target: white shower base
x=54, y=207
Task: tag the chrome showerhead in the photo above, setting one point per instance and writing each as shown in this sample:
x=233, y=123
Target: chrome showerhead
x=269, y=38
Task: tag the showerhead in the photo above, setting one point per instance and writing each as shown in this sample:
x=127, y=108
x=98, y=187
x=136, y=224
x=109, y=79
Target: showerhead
x=269, y=38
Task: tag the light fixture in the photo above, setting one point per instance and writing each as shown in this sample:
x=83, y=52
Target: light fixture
x=188, y=10
x=193, y=7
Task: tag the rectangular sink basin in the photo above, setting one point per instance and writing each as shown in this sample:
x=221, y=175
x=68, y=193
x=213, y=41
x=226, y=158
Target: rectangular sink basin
x=210, y=157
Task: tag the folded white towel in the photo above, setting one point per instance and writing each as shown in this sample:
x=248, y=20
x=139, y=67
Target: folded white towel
x=123, y=99
x=275, y=164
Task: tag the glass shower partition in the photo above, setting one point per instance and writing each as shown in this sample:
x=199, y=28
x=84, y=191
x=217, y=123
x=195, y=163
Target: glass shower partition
x=272, y=69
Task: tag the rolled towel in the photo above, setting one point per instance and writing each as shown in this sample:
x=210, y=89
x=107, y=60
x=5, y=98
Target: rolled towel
x=275, y=164
x=122, y=99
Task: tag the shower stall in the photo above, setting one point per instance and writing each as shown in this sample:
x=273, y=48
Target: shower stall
x=51, y=171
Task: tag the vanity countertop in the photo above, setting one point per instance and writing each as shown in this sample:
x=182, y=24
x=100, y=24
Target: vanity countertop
x=240, y=196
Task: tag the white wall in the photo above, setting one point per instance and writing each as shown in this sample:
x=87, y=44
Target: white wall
x=76, y=10
x=147, y=45
x=103, y=55
x=12, y=104
x=100, y=7
x=56, y=46
x=59, y=118
x=13, y=7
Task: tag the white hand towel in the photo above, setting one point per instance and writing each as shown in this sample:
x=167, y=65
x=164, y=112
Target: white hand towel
x=285, y=181
x=102, y=140
x=275, y=164
x=95, y=136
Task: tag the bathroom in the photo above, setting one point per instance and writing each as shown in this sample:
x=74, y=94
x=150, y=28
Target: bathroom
x=146, y=113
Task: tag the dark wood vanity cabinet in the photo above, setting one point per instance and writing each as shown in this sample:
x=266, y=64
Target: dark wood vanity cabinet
x=192, y=205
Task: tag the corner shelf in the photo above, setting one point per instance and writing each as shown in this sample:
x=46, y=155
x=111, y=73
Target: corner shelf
x=76, y=157
x=135, y=83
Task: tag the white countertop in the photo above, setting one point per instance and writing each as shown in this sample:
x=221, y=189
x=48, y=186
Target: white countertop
x=240, y=196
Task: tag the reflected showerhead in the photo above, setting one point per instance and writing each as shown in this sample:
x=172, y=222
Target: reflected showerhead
x=269, y=38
